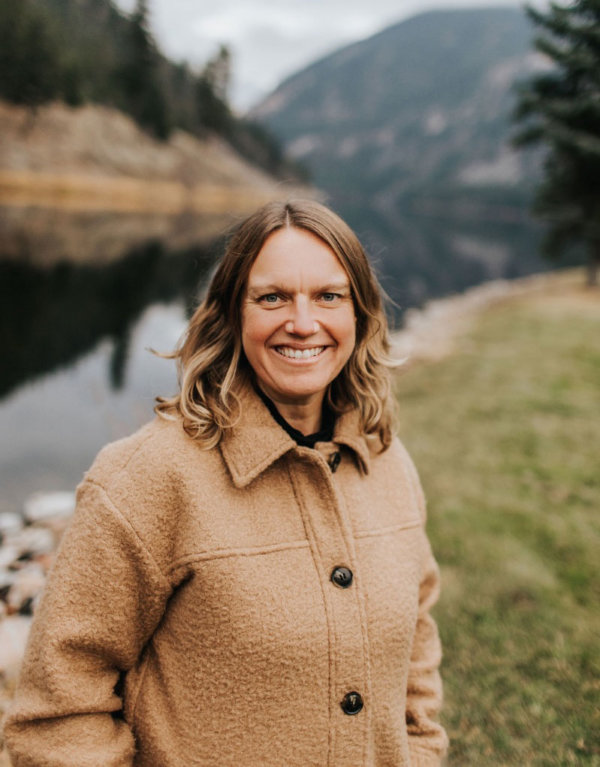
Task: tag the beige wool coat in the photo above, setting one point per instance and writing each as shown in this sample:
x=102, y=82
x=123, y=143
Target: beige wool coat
x=191, y=617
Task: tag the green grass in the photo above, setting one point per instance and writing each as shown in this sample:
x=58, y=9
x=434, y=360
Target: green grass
x=506, y=435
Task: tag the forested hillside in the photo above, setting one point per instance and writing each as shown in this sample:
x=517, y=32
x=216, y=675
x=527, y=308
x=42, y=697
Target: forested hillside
x=82, y=51
x=415, y=113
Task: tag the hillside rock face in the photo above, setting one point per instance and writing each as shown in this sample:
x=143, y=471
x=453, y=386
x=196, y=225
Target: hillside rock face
x=414, y=123
x=99, y=141
x=86, y=185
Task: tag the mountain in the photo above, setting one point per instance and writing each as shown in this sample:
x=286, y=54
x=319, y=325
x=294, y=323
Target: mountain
x=408, y=133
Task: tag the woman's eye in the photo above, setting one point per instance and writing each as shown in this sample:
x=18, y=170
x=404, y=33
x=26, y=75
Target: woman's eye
x=269, y=298
x=329, y=297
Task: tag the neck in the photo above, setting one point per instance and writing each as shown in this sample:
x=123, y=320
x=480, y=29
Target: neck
x=305, y=416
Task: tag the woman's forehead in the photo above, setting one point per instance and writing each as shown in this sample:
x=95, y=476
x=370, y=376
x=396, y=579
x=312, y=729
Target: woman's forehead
x=293, y=255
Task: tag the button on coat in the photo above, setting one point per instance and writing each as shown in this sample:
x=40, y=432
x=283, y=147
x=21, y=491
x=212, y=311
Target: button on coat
x=342, y=577
x=352, y=703
x=334, y=460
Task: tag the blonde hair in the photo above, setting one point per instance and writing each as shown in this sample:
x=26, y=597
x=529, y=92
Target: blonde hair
x=211, y=362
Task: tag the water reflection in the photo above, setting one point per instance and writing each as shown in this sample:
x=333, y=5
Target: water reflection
x=49, y=317
x=50, y=236
x=52, y=427
x=83, y=295
x=75, y=327
x=422, y=257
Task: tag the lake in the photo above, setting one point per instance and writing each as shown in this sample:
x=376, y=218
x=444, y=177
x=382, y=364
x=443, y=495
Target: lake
x=85, y=296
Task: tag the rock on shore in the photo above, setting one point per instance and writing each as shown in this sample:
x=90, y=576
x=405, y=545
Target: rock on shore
x=28, y=544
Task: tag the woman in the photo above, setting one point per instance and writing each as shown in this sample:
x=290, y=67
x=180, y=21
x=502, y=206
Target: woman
x=247, y=580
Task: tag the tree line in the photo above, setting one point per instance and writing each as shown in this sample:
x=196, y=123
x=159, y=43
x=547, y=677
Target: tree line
x=560, y=110
x=81, y=51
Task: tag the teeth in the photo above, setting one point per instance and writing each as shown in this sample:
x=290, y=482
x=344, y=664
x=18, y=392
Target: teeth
x=299, y=354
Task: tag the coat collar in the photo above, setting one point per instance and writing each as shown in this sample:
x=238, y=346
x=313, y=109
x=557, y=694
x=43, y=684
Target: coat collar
x=256, y=440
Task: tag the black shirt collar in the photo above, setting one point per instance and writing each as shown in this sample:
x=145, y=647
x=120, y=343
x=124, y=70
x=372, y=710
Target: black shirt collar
x=325, y=434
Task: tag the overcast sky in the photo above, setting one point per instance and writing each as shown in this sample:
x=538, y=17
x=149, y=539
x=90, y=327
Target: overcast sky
x=270, y=39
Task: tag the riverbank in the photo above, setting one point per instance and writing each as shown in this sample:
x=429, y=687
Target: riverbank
x=431, y=333
x=76, y=193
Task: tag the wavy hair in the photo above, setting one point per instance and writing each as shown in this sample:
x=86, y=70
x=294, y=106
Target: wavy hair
x=210, y=359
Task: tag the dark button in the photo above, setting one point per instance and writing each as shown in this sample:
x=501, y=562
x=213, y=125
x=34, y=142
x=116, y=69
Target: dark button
x=342, y=577
x=352, y=703
x=334, y=460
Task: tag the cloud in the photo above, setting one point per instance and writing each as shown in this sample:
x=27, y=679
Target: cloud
x=292, y=20
x=270, y=39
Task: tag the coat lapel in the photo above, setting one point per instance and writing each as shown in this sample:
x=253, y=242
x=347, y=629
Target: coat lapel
x=256, y=440
x=347, y=432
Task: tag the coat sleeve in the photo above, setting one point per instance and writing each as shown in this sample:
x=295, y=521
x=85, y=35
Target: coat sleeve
x=426, y=737
x=104, y=598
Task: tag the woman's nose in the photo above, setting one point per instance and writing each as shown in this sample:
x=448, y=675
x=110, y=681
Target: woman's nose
x=301, y=323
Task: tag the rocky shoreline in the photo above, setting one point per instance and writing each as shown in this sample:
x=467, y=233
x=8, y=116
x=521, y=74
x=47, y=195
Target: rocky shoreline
x=28, y=544
x=431, y=332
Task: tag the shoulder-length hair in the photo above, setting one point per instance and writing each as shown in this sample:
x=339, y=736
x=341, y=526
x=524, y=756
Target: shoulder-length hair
x=210, y=359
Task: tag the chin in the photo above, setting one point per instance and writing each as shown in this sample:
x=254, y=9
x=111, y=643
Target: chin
x=300, y=391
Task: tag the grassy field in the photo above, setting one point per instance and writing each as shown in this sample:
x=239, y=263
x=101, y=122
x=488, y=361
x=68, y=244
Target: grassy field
x=506, y=435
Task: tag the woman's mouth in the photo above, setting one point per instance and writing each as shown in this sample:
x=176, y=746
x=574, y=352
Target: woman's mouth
x=299, y=354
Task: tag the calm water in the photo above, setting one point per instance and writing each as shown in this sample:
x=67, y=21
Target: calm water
x=82, y=297
x=76, y=370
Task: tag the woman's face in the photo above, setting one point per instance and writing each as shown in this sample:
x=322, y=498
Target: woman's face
x=298, y=322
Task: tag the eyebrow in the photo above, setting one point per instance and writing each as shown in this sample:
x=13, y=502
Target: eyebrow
x=271, y=287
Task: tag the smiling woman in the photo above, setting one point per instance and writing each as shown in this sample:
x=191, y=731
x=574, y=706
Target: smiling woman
x=247, y=579
x=298, y=323
x=294, y=278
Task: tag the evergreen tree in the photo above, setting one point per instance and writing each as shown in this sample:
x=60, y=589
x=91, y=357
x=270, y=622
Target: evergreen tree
x=561, y=110
x=211, y=93
x=180, y=90
x=30, y=65
x=139, y=76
